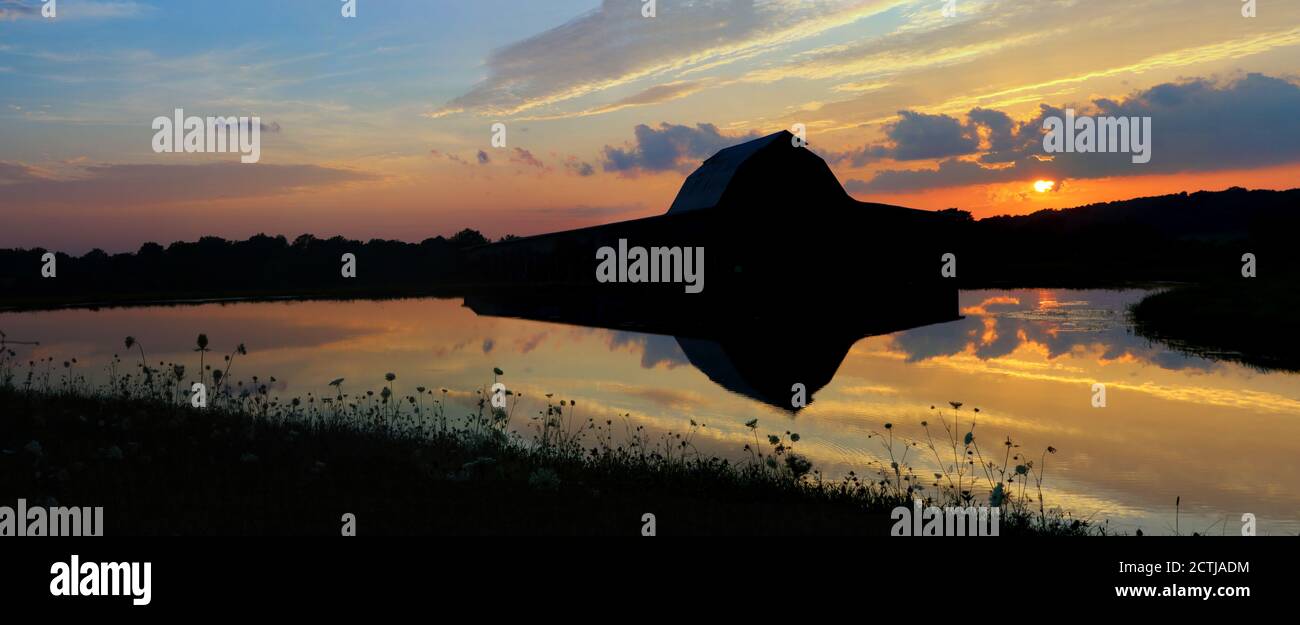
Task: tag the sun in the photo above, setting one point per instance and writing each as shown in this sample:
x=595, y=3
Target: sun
x=1043, y=186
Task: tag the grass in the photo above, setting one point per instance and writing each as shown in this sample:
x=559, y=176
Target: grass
x=421, y=463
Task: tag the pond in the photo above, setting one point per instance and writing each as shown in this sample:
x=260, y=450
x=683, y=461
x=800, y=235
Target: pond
x=1221, y=437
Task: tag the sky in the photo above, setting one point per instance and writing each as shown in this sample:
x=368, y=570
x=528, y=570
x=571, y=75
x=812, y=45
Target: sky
x=381, y=125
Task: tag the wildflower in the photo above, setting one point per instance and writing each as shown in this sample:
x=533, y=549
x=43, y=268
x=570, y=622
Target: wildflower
x=752, y=424
x=956, y=405
x=390, y=376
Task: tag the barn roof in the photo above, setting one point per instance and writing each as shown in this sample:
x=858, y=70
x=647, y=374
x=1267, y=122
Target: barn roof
x=704, y=187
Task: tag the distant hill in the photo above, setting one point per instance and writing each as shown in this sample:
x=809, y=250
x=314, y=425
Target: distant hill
x=1190, y=237
x=1235, y=213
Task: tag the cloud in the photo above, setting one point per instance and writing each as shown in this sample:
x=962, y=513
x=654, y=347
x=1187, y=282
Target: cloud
x=918, y=136
x=125, y=184
x=449, y=156
x=70, y=9
x=12, y=173
x=11, y=10
x=670, y=147
x=524, y=157
x=1197, y=125
x=653, y=95
x=613, y=45
x=579, y=167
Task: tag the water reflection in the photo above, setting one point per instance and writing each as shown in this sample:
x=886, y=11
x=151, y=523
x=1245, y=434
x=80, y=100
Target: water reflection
x=762, y=354
x=1221, y=436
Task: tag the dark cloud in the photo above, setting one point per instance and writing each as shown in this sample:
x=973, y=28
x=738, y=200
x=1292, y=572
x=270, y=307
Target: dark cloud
x=670, y=147
x=917, y=136
x=1197, y=125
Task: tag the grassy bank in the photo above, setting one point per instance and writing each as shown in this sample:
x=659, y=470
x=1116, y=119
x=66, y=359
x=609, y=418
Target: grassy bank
x=251, y=463
x=1250, y=321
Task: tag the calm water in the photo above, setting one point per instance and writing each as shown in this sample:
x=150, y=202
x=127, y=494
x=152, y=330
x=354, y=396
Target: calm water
x=1224, y=437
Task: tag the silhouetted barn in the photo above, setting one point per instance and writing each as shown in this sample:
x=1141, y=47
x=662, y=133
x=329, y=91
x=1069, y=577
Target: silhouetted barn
x=774, y=223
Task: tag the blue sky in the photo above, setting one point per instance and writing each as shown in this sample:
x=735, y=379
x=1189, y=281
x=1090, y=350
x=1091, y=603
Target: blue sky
x=383, y=121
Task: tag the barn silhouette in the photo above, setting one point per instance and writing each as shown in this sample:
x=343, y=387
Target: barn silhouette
x=796, y=270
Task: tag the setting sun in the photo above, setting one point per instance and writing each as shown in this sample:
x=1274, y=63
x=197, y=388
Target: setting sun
x=1043, y=186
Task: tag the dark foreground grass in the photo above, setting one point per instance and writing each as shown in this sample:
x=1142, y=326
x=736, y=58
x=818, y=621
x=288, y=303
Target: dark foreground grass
x=158, y=468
